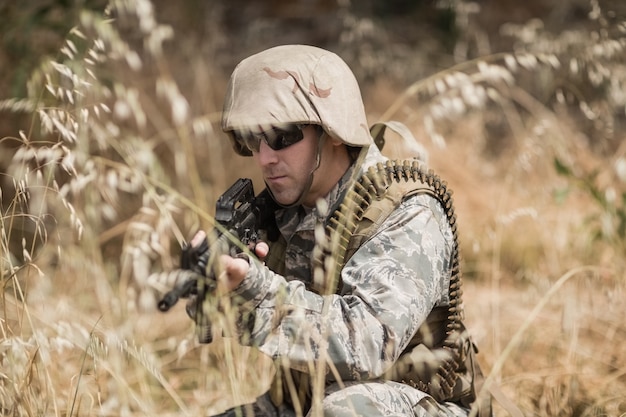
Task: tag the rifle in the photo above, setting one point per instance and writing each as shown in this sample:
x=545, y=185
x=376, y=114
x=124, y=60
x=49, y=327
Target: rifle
x=237, y=216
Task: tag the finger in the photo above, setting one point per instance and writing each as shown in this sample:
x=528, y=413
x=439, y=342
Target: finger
x=234, y=271
x=190, y=307
x=261, y=250
x=198, y=238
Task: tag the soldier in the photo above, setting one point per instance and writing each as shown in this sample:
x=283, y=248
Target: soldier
x=378, y=329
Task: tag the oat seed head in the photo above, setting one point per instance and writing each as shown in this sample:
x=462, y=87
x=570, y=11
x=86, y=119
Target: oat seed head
x=108, y=154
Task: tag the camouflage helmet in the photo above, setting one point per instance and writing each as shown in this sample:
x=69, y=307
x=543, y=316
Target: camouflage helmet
x=295, y=84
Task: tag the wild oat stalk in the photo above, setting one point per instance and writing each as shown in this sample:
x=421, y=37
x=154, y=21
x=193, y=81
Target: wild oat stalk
x=582, y=67
x=106, y=174
x=561, y=98
x=80, y=183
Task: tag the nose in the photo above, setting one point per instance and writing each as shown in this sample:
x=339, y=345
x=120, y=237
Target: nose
x=266, y=155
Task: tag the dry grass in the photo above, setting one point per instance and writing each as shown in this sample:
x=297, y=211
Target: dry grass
x=118, y=167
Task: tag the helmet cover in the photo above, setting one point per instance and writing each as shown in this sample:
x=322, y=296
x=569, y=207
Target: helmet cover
x=295, y=84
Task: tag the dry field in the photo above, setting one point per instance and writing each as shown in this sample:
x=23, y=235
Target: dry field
x=120, y=160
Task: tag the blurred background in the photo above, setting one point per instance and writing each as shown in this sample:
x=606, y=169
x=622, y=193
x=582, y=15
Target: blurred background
x=111, y=156
x=395, y=41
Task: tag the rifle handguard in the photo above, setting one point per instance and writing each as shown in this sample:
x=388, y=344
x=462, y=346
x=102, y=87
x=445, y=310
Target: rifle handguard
x=237, y=216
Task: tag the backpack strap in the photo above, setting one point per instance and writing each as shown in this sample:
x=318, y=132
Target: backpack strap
x=411, y=145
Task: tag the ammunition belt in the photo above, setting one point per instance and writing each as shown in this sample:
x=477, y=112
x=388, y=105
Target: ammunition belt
x=330, y=253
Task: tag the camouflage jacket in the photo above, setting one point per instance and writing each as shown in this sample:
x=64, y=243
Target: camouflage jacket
x=388, y=288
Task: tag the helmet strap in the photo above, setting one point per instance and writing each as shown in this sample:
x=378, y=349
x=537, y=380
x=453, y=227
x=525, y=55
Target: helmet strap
x=307, y=187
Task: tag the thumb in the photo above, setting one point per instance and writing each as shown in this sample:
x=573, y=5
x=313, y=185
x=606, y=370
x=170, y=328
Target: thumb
x=234, y=271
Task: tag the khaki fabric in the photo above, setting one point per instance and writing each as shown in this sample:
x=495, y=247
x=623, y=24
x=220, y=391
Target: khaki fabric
x=296, y=84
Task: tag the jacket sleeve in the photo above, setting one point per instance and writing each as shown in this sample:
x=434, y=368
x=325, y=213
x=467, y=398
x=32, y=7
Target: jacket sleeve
x=390, y=285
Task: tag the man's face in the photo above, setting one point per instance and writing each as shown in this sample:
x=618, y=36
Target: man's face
x=286, y=171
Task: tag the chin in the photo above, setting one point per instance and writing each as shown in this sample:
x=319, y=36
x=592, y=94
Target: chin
x=279, y=197
x=285, y=202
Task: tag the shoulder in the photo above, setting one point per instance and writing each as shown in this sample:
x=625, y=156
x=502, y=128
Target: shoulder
x=402, y=197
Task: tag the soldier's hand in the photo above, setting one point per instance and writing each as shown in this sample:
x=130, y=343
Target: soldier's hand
x=234, y=269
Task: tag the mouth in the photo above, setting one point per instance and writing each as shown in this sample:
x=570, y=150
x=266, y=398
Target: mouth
x=275, y=178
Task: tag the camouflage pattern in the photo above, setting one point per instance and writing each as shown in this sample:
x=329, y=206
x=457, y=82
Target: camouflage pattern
x=334, y=348
x=296, y=84
x=358, y=399
x=389, y=287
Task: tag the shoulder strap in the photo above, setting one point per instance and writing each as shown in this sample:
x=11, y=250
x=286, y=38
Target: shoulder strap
x=378, y=212
x=412, y=146
x=386, y=184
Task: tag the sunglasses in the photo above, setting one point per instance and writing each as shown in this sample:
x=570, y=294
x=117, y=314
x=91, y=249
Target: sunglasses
x=277, y=138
